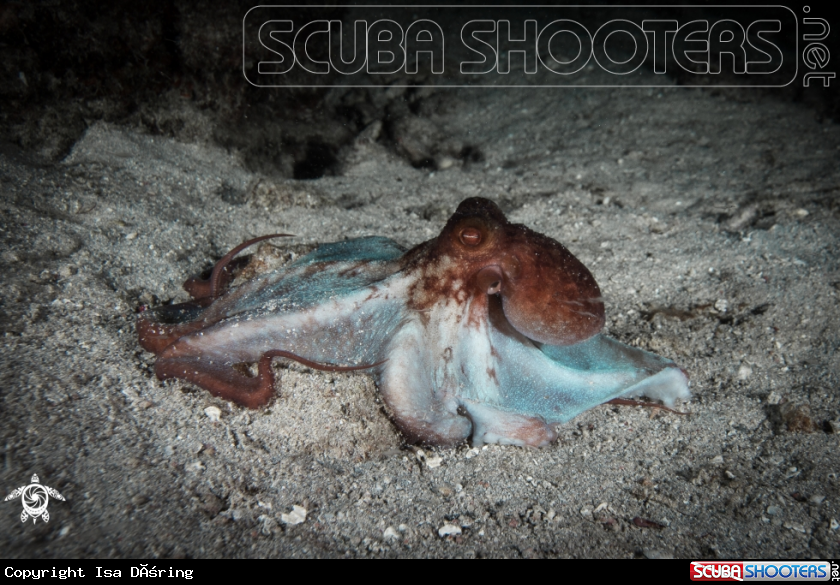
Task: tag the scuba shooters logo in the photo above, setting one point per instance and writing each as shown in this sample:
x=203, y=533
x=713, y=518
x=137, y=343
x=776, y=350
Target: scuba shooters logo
x=487, y=46
x=761, y=571
x=35, y=498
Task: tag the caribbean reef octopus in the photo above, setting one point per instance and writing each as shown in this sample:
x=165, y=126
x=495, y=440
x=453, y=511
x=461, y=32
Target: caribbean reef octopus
x=488, y=332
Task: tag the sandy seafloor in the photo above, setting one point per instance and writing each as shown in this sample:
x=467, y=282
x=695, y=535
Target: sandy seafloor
x=709, y=219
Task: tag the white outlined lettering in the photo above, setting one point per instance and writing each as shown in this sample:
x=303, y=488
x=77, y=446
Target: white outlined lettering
x=386, y=54
x=337, y=47
x=424, y=37
x=624, y=28
x=304, y=43
x=774, y=60
x=269, y=33
x=477, y=45
x=507, y=46
x=485, y=49
x=658, y=31
x=727, y=37
x=547, y=56
x=686, y=39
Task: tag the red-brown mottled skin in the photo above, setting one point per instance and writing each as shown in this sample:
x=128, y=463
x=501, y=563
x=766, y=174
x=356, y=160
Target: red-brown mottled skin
x=547, y=293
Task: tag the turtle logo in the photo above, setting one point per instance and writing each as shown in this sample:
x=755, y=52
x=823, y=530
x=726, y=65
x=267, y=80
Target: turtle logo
x=35, y=498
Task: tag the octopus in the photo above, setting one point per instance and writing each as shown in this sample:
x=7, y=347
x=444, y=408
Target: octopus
x=489, y=333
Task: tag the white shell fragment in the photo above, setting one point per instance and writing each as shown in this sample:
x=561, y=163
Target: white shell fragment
x=449, y=530
x=296, y=516
x=744, y=372
x=390, y=534
x=434, y=461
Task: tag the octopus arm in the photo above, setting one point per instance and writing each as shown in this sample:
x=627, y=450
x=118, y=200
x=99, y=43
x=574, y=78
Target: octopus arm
x=336, y=308
x=331, y=271
x=557, y=383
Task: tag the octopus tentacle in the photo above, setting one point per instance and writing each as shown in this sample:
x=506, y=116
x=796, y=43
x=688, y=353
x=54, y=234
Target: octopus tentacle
x=421, y=409
x=199, y=286
x=159, y=328
x=222, y=273
x=496, y=425
x=216, y=276
x=629, y=402
x=226, y=382
x=314, y=365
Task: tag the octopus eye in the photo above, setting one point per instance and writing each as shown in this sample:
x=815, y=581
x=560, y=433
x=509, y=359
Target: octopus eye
x=471, y=237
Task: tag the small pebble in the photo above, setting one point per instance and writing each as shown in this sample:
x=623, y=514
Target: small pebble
x=214, y=413
x=797, y=417
x=449, y=530
x=472, y=453
x=817, y=499
x=296, y=516
x=67, y=271
x=774, y=510
x=445, y=163
x=834, y=525
x=390, y=534
x=195, y=467
x=744, y=372
x=655, y=553
x=433, y=462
